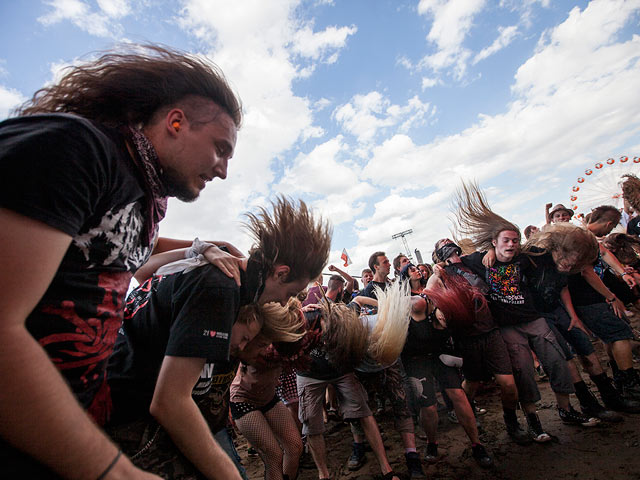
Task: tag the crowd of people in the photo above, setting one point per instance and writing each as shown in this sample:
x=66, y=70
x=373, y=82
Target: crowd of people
x=100, y=384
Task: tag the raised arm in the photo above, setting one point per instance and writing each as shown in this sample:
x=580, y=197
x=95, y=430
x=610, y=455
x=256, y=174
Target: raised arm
x=173, y=407
x=40, y=415
x=547, y=217
x=345, y=275
x=611, y=260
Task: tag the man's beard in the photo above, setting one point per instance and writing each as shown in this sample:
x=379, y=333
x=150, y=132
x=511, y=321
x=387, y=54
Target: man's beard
x=175, y=185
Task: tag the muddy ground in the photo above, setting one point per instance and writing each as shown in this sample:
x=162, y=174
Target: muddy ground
x=608, y=451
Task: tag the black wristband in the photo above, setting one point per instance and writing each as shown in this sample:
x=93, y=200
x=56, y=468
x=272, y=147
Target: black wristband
x=110, y=466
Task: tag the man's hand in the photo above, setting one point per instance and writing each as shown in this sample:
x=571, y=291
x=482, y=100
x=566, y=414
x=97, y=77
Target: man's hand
x=628, y=279
x=229, y=264
x=489, y=258
x=618, y=308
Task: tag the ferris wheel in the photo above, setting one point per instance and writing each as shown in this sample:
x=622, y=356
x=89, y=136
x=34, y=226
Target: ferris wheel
x=601, y=184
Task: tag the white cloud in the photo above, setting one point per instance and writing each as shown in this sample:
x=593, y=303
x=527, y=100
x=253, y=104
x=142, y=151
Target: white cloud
x=507, y=34
x=452, y=21
x=428, y=82
x=115, y=8
x=316, y=45
x=366, y=115
x=575, y=102
x=9, y=99
x=262, y=47
x=327, y=175
x=81, y=15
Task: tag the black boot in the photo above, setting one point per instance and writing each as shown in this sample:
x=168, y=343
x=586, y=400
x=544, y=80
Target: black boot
x=612, y=397
x=591, y=407
x=514, y=430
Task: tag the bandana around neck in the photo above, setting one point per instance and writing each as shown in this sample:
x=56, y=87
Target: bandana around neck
x=145, y=159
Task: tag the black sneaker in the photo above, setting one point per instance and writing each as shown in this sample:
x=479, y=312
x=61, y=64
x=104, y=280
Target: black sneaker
x=481, y=456
x=414, y=466
x=517, y=434
x=357, y=458
x=573, y=417
x=431, y=455
x=536, y=431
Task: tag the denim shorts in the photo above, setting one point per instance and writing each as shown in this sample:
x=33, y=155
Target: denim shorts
x=600, y=319
x=576, y=337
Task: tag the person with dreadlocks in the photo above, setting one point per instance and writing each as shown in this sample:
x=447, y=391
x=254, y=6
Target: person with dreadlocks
x=511, y=303
x=179, y=330
x=483, y=350
x=256, y=409
x=85, y=172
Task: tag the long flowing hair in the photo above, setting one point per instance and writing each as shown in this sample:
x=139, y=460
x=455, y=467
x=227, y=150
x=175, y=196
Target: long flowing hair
x=567, y=240
x=291, y=236
x=129, y=86
x=390, y=332
x=475, y=220
x=344, y=334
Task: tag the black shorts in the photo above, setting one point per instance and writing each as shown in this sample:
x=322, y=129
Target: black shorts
x=240, y=409
x=484, y=356
x=421, y=373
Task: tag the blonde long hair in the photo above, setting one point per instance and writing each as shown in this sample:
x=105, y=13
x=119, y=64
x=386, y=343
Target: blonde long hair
x=390, y=332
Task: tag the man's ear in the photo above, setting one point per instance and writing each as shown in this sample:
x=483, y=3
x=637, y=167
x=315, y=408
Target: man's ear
x=493, y=242
x=281, y=273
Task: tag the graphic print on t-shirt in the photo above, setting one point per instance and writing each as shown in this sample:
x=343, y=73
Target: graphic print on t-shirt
x=504, y=282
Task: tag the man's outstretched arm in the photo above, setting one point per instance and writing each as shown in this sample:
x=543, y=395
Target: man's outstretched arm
x=38, y=412
x=174, y=408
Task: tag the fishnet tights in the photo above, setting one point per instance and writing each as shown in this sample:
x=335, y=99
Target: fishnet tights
x=275, y=435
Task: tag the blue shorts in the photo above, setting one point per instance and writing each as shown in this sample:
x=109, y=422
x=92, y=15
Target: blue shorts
x=600, y=319
x=576, y=337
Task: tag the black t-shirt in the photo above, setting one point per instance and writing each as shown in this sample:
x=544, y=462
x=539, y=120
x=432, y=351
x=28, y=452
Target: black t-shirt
x=78, y=178
x=581, y=292
x=423, y=339
x=633, y=227
x=509, y=297
x=369, y=290
x=546, y=283
x=181, y=314
x=484, y=321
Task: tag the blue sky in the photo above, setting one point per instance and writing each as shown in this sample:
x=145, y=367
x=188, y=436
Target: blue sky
x=373, y=111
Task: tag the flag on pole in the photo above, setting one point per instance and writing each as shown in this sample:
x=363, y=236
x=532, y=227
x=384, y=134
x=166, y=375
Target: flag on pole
x=345, y=257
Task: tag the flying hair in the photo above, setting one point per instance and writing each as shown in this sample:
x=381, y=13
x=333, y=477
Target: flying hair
x=290, y=235
x=344, y=334
x=131, y=83
x=390, y=332
x=567, y=240
x=631, y=190
x=282, y=324
x=476, y=220
x=457, y=300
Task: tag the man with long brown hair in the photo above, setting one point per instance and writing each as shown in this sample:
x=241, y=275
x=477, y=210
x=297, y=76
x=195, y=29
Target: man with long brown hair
x=85, y=172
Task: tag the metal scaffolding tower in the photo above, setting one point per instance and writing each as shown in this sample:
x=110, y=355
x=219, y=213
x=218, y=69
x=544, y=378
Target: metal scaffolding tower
x=403, y=236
